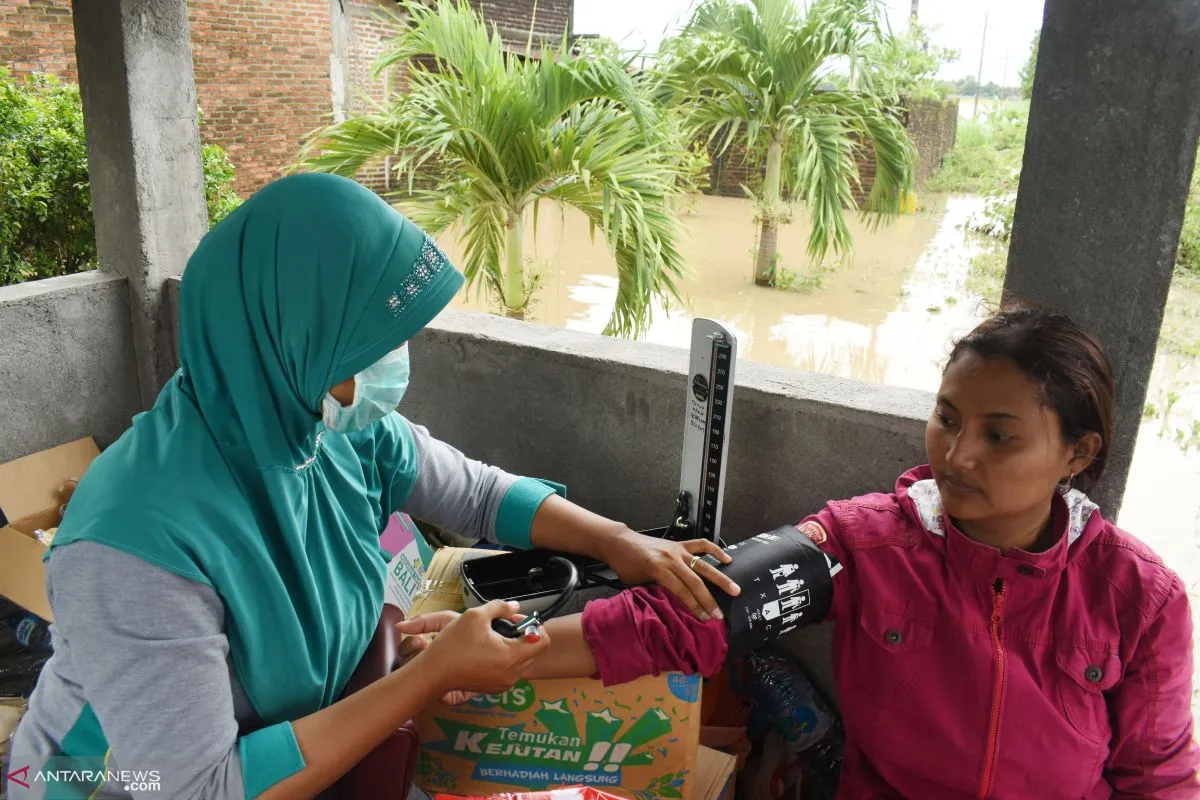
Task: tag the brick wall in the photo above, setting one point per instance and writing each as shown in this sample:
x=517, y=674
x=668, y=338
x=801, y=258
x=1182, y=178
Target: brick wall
x=734, y=169
x=931, y=124
x=262, y=79
x=370, y=26
x=263, y=66
x=512, y=17
x=865, y=157
x=36, y=36
x=262, y=71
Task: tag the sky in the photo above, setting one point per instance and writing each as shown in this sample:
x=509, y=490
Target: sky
x=956, y=24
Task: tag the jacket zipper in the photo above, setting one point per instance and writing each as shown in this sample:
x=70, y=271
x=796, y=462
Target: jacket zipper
x=989, y=759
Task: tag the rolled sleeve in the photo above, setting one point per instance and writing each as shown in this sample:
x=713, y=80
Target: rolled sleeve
x=514, y=520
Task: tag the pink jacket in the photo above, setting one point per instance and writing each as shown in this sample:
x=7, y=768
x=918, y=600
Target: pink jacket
x=963, y=672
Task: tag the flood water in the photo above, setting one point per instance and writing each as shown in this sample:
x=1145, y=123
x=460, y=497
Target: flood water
x=887, y=316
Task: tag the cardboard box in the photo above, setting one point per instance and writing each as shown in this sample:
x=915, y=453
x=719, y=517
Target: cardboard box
x=28, y=502
x=714, y=775
x=406, y=570
x=442, y=589
x=639, y=740
x=714, y=771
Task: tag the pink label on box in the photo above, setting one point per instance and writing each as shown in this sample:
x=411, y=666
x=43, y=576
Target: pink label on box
x=399, y=533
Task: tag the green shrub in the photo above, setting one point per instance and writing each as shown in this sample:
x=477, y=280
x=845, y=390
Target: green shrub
x=45, y=205
x=971, y=134
x=218, y=183
x=1188, y=256
x=987, y=155
x=46, y=226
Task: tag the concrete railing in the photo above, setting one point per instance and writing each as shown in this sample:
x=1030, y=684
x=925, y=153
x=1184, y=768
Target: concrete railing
x=601, y=415
x=605, y=417
x=66, y=362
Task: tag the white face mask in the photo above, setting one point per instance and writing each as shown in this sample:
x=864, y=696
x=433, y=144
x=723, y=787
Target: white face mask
x=378, y=389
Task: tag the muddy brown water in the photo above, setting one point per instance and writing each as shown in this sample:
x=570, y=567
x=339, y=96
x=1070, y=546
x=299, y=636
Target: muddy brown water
x=887, y=316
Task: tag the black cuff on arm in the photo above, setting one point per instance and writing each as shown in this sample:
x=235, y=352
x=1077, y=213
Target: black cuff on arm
x=786, y=582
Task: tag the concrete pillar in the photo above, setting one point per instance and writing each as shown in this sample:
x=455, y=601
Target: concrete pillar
x=339, y=24
x=1113, y=125
x=139, y=108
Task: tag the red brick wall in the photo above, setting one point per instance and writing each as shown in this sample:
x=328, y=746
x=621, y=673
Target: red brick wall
x=263, y=66
x=262, y=79
x=262, y=71
x=512, y=17
x=36, y=36
x=734, y=169
x=372, y=25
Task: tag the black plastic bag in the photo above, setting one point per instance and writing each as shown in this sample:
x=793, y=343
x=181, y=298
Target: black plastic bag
x=19, y=672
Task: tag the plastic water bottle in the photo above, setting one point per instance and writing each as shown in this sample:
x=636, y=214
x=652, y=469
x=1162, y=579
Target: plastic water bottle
x=783, y=698
x=31, y=632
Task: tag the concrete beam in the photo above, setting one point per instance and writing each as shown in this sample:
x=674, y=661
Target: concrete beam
x=1113, y=128
x=139, y=107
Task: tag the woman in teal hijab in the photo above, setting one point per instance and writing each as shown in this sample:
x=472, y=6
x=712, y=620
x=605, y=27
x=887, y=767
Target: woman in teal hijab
x=217, y=576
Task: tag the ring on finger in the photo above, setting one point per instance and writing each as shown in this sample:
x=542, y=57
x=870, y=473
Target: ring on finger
x=692, y=564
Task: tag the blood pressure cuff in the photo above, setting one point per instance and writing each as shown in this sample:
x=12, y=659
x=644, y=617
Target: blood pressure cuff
x=786, y=582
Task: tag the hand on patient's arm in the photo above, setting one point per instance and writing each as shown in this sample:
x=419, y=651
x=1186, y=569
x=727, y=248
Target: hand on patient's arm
x=566, y=656
x=636, y=558
x=336, y=738
x=641, y=631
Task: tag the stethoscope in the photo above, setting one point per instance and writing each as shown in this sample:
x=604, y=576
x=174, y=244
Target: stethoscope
x=514, y=630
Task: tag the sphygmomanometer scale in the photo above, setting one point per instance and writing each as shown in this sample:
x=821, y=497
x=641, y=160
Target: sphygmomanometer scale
x=706, y=432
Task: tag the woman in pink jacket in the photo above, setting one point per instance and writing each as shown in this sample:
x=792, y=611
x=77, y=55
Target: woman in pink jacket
x=996, y=637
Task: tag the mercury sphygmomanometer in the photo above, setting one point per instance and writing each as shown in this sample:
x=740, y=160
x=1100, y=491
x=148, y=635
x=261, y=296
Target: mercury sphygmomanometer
x=786, y=579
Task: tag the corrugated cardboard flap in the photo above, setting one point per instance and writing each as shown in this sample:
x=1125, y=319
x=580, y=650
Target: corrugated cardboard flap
x=27, y=485
x=712, y=774
x=28, y=501
x=22, y=573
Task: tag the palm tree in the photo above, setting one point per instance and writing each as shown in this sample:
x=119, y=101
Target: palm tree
x=496, y=134
x=760, y=73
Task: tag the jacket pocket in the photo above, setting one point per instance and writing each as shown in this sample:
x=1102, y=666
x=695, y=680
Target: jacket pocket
x=895, y=646
x=1085, y=674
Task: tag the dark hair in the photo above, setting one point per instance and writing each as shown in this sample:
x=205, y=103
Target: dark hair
x=1068, y=363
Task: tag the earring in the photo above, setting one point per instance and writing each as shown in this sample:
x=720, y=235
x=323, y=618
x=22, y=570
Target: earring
x=1064, y=486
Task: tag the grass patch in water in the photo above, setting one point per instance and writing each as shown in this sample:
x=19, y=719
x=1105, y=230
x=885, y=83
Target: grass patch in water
x=1180, y=333
x=985, y=277
x=801, y=283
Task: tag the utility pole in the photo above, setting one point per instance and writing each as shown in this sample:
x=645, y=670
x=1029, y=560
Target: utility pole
x=979, y=77
x=916, y=5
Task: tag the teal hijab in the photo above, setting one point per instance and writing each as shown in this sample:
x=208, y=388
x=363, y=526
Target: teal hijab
x=231, y=479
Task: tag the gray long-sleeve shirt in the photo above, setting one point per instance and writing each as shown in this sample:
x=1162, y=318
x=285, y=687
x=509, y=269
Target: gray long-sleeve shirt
x=147, y=650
